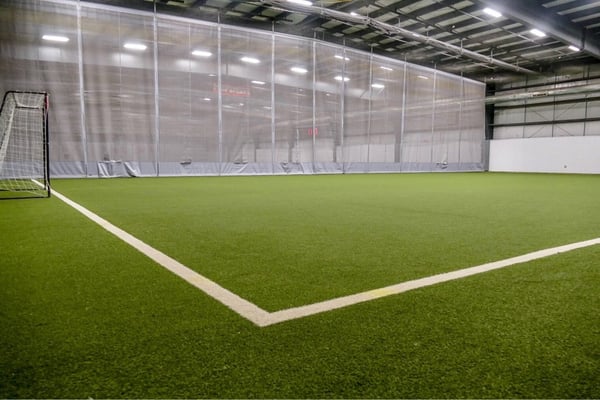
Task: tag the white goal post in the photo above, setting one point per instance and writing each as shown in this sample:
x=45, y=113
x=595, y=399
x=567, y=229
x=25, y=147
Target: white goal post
x=24, y=164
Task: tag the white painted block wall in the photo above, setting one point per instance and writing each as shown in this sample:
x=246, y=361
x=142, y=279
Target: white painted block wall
x=579, y=154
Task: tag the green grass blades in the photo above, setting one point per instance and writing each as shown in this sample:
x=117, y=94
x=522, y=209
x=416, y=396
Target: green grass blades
x=83, y=315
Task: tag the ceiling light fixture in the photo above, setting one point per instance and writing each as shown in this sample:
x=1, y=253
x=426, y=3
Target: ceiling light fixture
x=258, y=82
x=492, y=13
x=422, y=77
x=55, y=38
x=574, y=48
x=537, y=32
x=386, y=68
x=301, y=2
x=250, y=60
x=339, y=78
x=341, y=57
x=377, y=86
x=201, y=53
x=299, y=70
x=135, y=46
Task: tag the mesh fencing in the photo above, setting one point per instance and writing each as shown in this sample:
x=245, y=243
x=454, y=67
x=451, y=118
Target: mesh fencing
x=199, y=98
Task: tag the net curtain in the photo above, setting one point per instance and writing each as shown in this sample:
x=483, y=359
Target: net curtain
x=144, y=94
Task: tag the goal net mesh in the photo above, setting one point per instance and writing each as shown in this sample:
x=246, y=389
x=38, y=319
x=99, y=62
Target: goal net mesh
x=24, y=145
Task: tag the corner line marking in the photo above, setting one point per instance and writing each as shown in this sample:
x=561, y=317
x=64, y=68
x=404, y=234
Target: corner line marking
x=263, y=318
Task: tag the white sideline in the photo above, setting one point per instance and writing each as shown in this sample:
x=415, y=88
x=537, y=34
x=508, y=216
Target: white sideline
x=264, y=318
x=328, y=305
x=243, y=307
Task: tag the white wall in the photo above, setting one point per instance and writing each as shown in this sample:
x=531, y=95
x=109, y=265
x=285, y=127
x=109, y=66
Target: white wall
x=580, y=154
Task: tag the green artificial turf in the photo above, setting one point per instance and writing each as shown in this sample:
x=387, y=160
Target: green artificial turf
x=287, y=241
x=83, y=315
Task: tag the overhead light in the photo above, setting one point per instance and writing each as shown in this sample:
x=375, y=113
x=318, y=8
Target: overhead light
x=537, y=32
x=354, y=13
x=206, y=99
x=377, y=86
x=55, y=38
x=386, y=68
x=492, y=13
x=135, y=46
x=574, y=48
x=341, y=57
x=258, y=82
x=301, y=2
x=339, y=78
x=201, y=53
x=299, y=70
x=250, y=60
x=416, y=35
x=422, y=77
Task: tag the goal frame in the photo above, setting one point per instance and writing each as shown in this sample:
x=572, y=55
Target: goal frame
x=44, y=187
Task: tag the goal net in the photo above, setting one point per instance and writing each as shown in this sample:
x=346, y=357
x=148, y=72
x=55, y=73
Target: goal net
x=24, y=168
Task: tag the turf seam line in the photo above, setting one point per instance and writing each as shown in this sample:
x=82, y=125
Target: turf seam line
x=263, y=318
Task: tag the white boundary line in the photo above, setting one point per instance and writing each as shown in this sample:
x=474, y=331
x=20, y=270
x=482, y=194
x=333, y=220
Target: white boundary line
x=243, y=307
x=264, y=318
x=303, y=311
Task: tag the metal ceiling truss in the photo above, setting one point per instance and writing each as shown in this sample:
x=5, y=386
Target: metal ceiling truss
x=393, y=30
x=560, y=27
x=456, y=36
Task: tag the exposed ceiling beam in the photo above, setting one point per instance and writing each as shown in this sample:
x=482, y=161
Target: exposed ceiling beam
x=392, y=30
x=533, y=15
x=577, y=89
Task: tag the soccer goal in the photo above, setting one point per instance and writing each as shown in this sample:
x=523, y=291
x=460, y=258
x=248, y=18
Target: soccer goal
x=24, y=167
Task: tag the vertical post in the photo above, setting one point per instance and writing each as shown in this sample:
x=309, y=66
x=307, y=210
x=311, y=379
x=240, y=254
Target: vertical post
x=343, y=109
x=314, y=100
x=587, y=102
x=273, y=100
x=399, y=146
x=489, y=126
x=490, y=90
x=370, y=110
x=433, y=118
x=219, y=96
x=81, y=92
x=46, y=141
x=156, y=96
x=553, y=123
x=525, y=110
x=460, y=117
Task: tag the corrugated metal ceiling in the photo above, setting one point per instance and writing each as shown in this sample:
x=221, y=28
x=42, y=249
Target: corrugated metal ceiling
x=452, y=35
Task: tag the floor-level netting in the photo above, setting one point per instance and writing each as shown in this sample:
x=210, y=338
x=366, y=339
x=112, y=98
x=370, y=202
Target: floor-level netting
x=146, y=94
x=24, y=145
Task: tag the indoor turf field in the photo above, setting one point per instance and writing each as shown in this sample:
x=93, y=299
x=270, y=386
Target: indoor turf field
x=86, y=315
